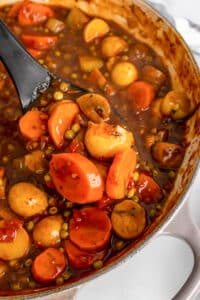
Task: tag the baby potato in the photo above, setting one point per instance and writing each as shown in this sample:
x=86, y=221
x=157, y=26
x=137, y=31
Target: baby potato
x=88, y=63
x=103, y=140
x=128, y=219
x=46, y=233
x=176, y=105
x=124, y=73
x=168, y=155
x=96, y=28
x=17, y=248
x=112, y=46
x=27, y=200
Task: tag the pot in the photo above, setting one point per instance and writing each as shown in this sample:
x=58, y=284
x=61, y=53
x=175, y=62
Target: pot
x=148, y=26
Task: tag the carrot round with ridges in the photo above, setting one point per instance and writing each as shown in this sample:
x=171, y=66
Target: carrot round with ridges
x=32, y=125
x=48, y=265
x=90, y=229
x=76, y=178
x=81, y=259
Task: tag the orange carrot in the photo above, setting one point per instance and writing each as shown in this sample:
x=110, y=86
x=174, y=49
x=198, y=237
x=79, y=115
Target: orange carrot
x=39, y=42
x=35, y=53
x=60, y=120
x=13, y=12
x=81, y=259
x=32, y=125
x=48, y=265
x=31, y=13
x=76, y=178
x=148, y=189
x=90, y=229
x=123, y=165
x=141, y=94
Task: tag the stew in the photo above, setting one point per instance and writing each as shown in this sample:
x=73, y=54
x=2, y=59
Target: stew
x=82, y=175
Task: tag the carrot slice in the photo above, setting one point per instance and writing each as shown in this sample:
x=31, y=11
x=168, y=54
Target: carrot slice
x=13, y=12
x=32, y=13
x=81, y=259
x=90, y=229
x=39, y=42
x=60, y=120
x=35, y=53
x=123, y=165
x=48, y=265
x=33, y=124
x=141, y=94
x=148, y=189
x=76, y=178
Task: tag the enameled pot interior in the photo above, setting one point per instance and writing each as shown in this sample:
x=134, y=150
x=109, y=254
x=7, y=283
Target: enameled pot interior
x=147, y=26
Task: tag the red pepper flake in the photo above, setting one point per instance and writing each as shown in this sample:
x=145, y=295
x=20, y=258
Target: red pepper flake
x=9, y=229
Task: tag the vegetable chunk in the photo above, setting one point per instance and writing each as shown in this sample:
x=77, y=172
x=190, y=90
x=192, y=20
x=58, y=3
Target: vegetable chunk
x=128, y=219
x=90, y=229
x=76, y=178
x=27, y=200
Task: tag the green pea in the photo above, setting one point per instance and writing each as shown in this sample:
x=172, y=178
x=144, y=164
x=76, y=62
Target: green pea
x=66, y=275
x=30, y=225
x=98, y=264
x=135, y=198
x=64, y=86
x=152, y=212
x=59, y=280
x=67, y=213
x=131, y=193
x=69, y=134
x=136, y=176
x=172, y=174
x=13, y=263
x=65, y=226
x=58, y=95
x=76, y=128
x=64, y=234
x=53, y=210
x=28, y=262
x=119, y=245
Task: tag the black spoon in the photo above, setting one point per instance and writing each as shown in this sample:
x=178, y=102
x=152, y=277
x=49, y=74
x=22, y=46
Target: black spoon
x=29, y=77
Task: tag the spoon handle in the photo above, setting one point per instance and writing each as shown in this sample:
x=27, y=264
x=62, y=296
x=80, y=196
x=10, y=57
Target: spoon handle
x=29, y=77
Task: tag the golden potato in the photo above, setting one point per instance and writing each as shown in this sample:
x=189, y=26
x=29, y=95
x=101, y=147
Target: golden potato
x=103, y=140
x=16, y=249
x=128, y=219
x=96, y=28
x=124, y=73
x=88, y=63
x=113, y=45
x=47, y=232
x=176, y=105
x=27, y=200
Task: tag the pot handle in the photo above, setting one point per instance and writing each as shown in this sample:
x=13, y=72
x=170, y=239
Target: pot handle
x=183, y=226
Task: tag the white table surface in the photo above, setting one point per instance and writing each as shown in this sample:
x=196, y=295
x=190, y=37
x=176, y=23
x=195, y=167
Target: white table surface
x=160, y=269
